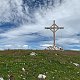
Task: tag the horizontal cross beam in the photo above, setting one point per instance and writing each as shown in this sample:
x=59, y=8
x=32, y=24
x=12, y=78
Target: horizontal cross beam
x=54, y=27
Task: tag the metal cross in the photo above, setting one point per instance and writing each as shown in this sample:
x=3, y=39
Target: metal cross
x=54, y=28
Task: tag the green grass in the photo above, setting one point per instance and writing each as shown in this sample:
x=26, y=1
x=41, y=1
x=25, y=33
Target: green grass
x=56, y=65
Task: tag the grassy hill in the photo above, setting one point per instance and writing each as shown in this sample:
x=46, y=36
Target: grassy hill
x=56, y=65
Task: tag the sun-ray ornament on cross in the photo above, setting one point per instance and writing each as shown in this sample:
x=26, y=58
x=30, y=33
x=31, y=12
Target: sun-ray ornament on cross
x=54, y=27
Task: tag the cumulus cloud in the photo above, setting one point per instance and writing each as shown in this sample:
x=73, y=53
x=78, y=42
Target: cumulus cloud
x=66, y=15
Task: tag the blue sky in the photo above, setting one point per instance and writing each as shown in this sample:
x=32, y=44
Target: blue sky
x=22, y=26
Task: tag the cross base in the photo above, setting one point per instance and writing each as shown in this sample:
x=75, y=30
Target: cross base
x=54, y=48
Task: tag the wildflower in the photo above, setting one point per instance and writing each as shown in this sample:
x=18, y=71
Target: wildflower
x=23, y=69
x=53, y=77
x=77, y=72
x=24, y=78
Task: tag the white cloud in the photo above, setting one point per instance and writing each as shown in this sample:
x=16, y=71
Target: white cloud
x=75, y=49
x=8, y=45
x=45, y=45
x=25, y=46
x=14, y=46
x=66, y=15
x=68, y=41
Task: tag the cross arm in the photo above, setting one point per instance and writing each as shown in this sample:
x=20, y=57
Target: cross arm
x=60, y=27
x=54, y=27
x=47, y=27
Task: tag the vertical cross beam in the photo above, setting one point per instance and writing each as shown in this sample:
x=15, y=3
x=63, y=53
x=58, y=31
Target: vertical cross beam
x=54, y=28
